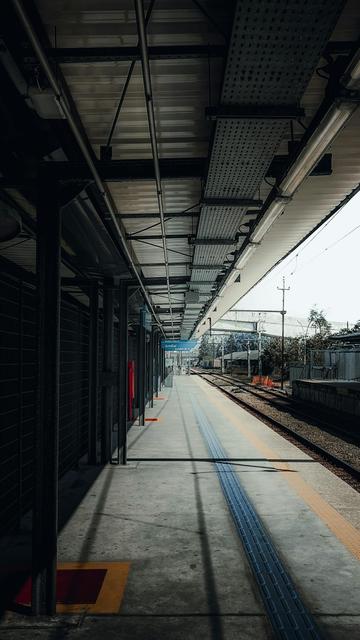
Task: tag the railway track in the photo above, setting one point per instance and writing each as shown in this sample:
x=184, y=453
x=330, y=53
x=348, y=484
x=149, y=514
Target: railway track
x=285, y=403
x=336, y=462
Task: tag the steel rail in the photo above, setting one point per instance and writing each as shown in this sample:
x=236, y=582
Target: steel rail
x=295, y=406
x=338, y=462
x=139, y=9
x=64, y=107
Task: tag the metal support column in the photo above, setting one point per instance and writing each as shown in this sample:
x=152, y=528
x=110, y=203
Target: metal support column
x=141, y=372
x=156, y=363
x=163, y=375
x=161, y=366
x=45, y=510
x=108, y=375
x=123, y=368
x=93, y=372
x=283, y=289
x=151, y=368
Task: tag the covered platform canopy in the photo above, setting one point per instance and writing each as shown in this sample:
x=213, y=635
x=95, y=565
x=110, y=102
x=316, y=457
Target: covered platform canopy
x=194, y=143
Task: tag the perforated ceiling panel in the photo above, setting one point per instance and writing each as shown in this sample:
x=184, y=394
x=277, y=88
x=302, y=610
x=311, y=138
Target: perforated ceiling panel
x=274, y=49
x=220, y=222
x=242, y=152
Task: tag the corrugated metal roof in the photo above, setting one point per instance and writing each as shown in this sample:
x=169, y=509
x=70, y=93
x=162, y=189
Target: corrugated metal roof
x=310, y=205
x=272, y=58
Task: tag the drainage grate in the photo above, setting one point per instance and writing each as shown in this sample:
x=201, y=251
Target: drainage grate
x=288, y=615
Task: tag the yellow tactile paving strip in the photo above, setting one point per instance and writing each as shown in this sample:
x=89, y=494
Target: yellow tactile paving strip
x=112, y=590
x=340, y=527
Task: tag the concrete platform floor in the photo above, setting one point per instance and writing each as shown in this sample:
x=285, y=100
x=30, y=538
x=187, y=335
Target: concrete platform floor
x=165, y=514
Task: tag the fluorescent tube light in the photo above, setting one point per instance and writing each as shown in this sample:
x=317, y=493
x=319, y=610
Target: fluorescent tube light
x=316, y=146
x=245, y=256
x=271, y=214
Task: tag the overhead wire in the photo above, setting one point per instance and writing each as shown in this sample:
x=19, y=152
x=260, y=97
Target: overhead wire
x=313, y=236
x=333, y=244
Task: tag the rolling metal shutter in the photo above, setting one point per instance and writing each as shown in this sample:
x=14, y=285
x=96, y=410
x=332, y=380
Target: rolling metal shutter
x=18, y=382
x=18, y=390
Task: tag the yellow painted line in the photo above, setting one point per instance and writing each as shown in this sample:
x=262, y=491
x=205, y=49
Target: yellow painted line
x=112, y=590
x=340, y=527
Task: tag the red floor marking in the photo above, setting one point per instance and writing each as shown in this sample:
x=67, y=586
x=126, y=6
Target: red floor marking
x=159, y=398
x=151, y=419
x=74, y=586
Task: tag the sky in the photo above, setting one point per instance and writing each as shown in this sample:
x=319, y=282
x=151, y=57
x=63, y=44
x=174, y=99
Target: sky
x=322, y=272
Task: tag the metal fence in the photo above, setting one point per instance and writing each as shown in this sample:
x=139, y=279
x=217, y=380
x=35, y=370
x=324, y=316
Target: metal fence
x=328, y=364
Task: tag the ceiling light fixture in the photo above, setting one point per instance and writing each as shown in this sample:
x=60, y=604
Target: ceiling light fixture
x=316, y=146
x=272, y=213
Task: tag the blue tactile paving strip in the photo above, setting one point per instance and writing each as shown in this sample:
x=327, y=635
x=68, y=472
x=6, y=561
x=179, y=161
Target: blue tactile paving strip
x=287, y=613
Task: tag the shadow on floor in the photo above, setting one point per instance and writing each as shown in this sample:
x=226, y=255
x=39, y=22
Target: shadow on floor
x=214, y=616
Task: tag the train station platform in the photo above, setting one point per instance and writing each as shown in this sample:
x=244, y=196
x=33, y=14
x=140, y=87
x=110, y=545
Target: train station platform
x=169, y=553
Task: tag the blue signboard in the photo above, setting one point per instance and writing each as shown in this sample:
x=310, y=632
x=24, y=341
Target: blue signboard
x=178, y=345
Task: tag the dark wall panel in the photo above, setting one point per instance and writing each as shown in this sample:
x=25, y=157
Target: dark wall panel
x=18, y=367
x=74, y=373
x=18, y=390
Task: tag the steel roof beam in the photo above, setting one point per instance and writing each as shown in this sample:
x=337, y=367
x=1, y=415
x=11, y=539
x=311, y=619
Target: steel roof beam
x=168, y=236
x=85, y=55
x=126, y=170
x=248, y=203
x=181, y=214
x=149, y=282
x=120, y=170
x=254, y=112
x=206, y=283
x=208, y=267
x=209, y=242
x=68, y=109
x=161, y=264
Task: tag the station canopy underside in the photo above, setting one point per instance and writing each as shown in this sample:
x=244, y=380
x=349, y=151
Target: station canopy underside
x=223, y=133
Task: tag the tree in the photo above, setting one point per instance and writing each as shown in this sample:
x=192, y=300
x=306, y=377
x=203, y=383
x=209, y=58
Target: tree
x=204, y=349
x=355, y=329
x=230, y=345
x=318, y=321
x=271, y=358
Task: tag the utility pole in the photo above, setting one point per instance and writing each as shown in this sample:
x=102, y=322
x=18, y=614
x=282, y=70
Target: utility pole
x=259, y=350
x=248, y=359
x=222, y=355
x=283, y=289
